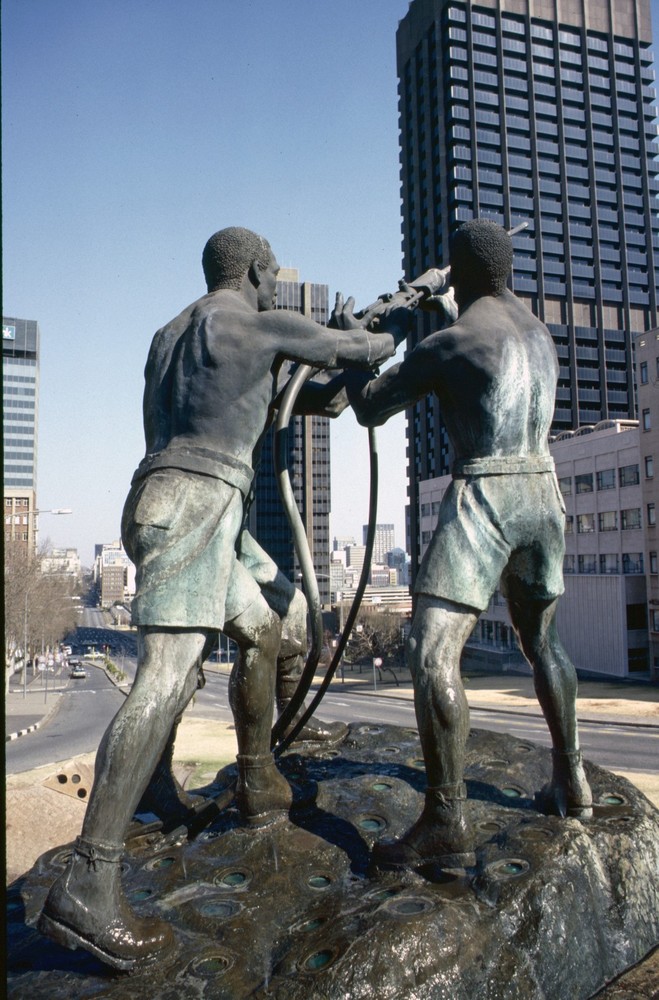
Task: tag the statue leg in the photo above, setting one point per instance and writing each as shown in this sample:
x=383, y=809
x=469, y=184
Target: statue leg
x=442, y=834
x=164, y=796
x=263, y=795
x=85, y=907
x=290, y=663
x=555, y=681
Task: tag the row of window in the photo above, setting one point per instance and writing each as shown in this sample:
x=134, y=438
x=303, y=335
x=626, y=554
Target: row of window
x=608, y=520
x=632, y=563
x=628, y=475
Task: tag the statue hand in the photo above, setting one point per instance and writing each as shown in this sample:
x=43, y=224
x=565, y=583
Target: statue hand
x=392, y=318
x=442, y=303
x=343, y=317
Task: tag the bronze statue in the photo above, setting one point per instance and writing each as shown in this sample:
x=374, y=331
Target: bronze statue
x=494, y=371
x=211, y=378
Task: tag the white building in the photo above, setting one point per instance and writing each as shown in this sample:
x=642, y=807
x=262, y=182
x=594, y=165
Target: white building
x=602, y=618
x=62, y=561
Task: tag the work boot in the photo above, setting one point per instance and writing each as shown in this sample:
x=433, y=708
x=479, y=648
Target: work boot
x=568, y=793
x=314, y=731
x=262, y=794
x=442, y=836
x=164, y=796
x=85, y=908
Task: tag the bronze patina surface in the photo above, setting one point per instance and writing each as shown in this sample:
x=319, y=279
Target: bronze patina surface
x=552, y=908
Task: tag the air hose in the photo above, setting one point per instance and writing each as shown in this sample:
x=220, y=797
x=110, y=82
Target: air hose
x=300, y=541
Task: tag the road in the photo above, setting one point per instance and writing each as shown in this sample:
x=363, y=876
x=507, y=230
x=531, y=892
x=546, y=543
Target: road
x=627, y=748
x=86, y=708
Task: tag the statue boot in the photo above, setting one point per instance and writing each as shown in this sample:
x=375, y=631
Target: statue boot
x=289, y=672
x=85, y=908
x=442, y=836
x=262, y=794
x=568, y=793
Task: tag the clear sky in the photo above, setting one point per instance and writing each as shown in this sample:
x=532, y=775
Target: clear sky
x=134, y=130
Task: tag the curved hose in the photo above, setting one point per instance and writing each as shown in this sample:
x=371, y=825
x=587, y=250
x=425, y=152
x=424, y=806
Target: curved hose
x=307, y=676
x=301, y=544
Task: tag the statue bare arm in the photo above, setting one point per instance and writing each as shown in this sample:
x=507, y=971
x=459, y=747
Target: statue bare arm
x=374, y=400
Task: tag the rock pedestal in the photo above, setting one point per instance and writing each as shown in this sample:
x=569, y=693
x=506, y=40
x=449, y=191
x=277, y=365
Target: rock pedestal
x=553, y=909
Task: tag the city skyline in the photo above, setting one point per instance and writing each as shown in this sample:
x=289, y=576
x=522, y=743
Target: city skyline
x=113, y=180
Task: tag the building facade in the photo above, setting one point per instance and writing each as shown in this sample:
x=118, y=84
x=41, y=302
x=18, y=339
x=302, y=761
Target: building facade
x=308, y=463
x=384, y=542
x=525, y=111
x=114, y=574
x=62, y=562
x=603, y=617
x=647, y=377
x=20, y=412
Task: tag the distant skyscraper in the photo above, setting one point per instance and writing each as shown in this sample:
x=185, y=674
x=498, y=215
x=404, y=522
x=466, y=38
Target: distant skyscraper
x=384, y=542
x=525, y=111
x=20, y=410
x=309, y=463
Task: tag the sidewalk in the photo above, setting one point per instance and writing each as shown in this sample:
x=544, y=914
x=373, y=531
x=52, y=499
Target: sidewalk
x=26, y=712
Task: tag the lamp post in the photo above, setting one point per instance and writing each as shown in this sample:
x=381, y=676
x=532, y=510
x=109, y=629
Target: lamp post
x=34, y=513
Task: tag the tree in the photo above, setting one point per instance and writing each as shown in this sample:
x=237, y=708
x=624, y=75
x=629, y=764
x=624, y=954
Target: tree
x=377, y=633
x=38, y=607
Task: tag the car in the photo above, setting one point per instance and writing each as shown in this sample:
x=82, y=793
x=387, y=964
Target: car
x=78, y=672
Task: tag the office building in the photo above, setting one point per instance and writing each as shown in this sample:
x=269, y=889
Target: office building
x=20, y=412
x=528, y=112
x=384, y=542
x=647, y=377
x=308, y=463
x=113, y=574
x=610, y=534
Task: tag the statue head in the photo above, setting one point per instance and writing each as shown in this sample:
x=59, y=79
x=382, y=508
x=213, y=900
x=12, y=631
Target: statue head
x=481, y=258
x=229, y=255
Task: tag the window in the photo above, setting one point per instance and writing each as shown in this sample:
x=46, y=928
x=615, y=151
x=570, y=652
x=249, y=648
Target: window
x=630, y=518
x=632, y=562
x=652, y=514
x=565, y=485
x=568, y=564
x=653, y=562
x=649, y=467
x=609, y=563
x=584, y=483
x=628, y=475
x=585, y=523
x=606, y=480
x=587, y=564
x=644, y=373
x=608, y=520
x=569, y=524
x=647, y=423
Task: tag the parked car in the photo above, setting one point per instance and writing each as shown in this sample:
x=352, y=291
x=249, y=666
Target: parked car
x=78, y=672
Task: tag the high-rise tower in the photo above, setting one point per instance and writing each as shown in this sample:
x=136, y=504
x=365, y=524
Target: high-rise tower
x=308, y=462
x=20, y=409
x=536, y=111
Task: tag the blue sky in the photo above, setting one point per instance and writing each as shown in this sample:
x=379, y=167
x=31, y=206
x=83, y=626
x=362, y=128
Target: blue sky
x=134, y=130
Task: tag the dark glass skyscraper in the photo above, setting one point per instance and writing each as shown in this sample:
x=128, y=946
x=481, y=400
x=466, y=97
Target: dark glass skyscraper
x=308, y=463
x=537, y=112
